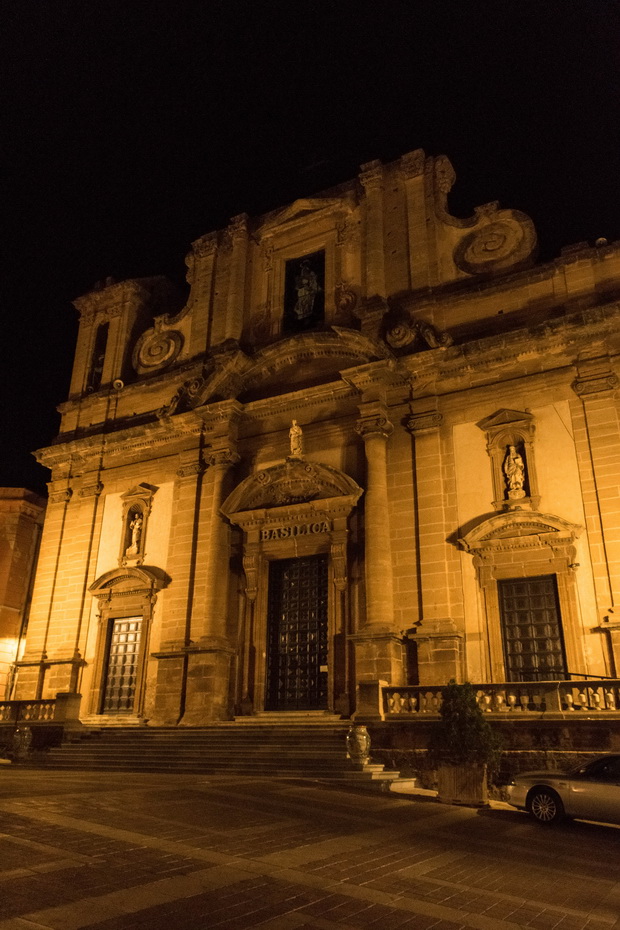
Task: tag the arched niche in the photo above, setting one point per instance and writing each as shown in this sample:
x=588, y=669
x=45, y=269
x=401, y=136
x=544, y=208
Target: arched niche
x=124, y=593
x=293, y=510
x=521, y=544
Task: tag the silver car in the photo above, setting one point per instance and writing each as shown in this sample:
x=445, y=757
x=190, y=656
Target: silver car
x=591, y=792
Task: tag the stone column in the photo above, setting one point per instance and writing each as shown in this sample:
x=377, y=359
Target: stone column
x=209, y=654
x=238, y=230
x=378, y=648
x=438, y=638
x=179, y=600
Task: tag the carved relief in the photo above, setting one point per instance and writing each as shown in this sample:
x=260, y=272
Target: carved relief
x=294, y=481
x=506, y=240
x=260, y=323
x=403, y=332
x=346, y=301
x=156, y=348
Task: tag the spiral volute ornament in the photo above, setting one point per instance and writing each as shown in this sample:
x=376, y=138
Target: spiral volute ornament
x=156, y=349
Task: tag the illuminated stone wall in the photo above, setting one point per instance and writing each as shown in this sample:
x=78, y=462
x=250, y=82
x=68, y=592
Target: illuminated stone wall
x=414, y=349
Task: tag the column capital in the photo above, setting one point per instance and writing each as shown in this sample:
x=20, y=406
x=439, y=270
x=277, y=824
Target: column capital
x=238, y=226
x=371, y=176
x=424, y=422
x=226, y=457
x=374, y=421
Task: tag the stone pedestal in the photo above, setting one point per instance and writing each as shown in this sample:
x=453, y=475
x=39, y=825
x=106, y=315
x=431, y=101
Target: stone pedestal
x=208, y=675
x=378, y=655
x=168, y=707
x=439, y=652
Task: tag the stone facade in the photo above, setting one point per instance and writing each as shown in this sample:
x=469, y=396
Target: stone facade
x=21, y=520
x=415, y=350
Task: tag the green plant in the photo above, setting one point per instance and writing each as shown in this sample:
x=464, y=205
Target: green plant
x=462, y=736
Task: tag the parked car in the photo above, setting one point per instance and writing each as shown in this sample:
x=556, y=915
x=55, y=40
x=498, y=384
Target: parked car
x=591, y=792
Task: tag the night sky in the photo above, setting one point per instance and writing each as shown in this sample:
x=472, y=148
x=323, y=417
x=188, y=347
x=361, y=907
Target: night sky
x=131, y=128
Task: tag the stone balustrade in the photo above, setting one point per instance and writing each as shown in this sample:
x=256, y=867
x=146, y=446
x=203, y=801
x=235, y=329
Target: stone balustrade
x=63, y=709
x=529, y=697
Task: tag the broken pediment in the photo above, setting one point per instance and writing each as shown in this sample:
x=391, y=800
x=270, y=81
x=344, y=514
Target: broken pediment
x=516, y=525
x=294, y=481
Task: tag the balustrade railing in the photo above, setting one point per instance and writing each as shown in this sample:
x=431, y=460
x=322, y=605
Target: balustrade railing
x=64, y=708
x=529, y=697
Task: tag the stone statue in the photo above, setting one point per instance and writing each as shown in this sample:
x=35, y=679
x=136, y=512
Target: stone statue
x=136, y=532
x=514, y=469
x=296, y=438
x=307, y=287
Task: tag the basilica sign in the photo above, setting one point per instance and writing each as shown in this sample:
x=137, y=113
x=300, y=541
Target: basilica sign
x=296, y=529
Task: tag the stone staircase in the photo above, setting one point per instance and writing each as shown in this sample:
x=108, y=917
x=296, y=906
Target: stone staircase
x=272, y=745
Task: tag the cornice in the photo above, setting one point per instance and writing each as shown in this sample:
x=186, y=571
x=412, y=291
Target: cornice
x=126, y=441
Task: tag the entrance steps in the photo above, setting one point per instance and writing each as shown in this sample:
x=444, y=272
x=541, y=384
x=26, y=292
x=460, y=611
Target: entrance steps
x=256, y=746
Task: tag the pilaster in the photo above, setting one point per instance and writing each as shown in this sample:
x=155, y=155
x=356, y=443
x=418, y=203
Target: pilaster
x=438, y=639
x=238, y=231
x=597, y=387
x=371, y=178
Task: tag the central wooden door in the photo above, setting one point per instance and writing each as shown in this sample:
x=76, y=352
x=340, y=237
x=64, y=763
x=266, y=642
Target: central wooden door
x=297, y=648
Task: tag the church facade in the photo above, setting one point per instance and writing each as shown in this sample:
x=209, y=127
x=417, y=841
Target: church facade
x=377, y=448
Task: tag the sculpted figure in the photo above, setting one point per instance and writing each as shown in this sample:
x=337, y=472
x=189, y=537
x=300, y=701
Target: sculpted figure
x=514, y=469
x=296, y=438
x=307, y=287
x=136, y=531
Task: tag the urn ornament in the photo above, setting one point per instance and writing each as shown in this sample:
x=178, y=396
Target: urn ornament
x=358, y=744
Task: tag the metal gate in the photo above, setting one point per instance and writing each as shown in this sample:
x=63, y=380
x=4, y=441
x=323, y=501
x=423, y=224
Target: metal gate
x=531, y=629
x=122, y=666
x=297, y=634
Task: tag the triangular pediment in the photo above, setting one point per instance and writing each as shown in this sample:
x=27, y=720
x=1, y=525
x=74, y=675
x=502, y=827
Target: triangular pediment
x=306, y=206
x=505, y=417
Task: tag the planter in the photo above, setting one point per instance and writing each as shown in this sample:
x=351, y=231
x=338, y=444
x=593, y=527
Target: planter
x=463, y=784
x=358, y=744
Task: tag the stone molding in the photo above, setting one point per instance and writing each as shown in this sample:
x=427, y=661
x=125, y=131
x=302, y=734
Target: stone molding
x=597, y=385
x=91, y=490
x=424, y=422
x=371, y=176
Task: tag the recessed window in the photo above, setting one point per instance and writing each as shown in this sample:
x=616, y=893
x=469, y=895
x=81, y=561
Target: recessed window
x=304, y=293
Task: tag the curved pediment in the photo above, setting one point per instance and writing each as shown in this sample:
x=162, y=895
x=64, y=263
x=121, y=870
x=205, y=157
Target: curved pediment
x=128, y=581
x=291, y=364
x=308, y=358
x=294, y=481
x=518, y=525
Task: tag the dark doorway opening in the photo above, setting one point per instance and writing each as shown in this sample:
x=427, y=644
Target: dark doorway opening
x=297, y=648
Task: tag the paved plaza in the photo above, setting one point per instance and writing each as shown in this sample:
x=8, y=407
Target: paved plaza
x=168, y=852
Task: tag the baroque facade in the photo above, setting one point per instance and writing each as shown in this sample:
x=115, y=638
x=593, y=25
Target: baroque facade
x=377, y=444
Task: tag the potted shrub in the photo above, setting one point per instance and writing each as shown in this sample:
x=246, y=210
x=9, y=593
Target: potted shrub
x=462, y=747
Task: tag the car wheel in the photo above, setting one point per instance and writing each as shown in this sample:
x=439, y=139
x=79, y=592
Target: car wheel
x=545, y=805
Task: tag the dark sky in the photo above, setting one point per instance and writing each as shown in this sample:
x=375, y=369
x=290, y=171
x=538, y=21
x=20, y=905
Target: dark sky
x=130, y=127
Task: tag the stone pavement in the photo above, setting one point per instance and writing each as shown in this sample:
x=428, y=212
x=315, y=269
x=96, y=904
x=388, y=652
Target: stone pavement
x=117, y=851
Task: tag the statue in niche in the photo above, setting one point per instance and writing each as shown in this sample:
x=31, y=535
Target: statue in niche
x=297, y=439
x=307, y=287
x=136, y=534
x=514, y=470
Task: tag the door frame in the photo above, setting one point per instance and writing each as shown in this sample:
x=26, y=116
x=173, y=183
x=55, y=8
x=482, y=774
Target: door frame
x=122, y=593
x=307, y=528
